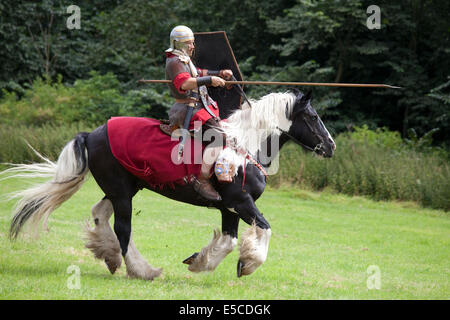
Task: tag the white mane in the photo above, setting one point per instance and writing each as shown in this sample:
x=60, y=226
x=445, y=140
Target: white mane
x=250, y=126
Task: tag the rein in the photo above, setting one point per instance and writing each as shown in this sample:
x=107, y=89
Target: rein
x=255, y=162
x=317, y=147
x=295, y=140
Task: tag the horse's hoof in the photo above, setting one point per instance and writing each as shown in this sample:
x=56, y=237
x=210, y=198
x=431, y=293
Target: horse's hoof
x=111, y=268
x=113, y=264
x=240, y=266
x=191, y=259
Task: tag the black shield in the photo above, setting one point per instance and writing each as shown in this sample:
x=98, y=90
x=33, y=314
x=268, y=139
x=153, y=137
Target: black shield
x=213, y=52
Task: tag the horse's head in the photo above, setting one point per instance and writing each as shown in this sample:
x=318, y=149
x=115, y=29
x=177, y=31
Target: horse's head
x=307, y=128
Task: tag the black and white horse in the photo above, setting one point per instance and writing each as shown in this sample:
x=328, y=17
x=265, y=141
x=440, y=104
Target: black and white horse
x=275, y=117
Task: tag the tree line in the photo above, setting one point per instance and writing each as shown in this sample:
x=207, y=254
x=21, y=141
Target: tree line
x=287, y=40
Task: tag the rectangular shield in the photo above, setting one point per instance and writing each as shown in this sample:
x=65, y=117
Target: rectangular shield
x=213, y=52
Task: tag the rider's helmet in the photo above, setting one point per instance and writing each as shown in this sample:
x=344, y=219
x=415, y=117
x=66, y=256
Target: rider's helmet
x=178, y=38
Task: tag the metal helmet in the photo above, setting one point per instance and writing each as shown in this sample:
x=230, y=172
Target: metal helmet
x=178, y=38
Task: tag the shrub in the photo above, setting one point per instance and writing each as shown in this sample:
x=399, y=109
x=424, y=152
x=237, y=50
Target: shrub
x=47, y=139
x=378, y=137
x=91, y=101
x=371, y=163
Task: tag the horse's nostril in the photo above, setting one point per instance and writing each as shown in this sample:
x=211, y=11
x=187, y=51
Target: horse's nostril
x=333, y=145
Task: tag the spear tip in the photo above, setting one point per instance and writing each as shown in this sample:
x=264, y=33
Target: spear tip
x=394, y=87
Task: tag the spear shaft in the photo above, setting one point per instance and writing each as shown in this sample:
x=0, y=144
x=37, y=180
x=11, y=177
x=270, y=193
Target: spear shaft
x=318, y=84
x=280, y=83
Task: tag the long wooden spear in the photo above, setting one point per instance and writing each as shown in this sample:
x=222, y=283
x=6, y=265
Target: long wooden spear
x=279, y=83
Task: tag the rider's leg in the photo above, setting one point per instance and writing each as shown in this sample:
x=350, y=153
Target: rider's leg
x=211, y=131
x=203, y=185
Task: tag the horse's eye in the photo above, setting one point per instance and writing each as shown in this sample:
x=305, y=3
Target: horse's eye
x=315, y=118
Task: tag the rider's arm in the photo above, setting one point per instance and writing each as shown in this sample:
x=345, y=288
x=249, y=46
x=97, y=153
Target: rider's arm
x=193, y=83
x=224, y=73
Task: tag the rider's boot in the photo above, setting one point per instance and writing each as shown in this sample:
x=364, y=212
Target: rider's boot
x=203, y=185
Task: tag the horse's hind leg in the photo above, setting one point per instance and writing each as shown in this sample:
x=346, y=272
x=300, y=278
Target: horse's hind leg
x=220, y=246
x=137, y=266
x=119, y=187
x=101, y=239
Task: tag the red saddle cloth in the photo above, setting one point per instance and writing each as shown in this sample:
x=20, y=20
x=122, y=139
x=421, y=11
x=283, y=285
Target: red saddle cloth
x=149, y=154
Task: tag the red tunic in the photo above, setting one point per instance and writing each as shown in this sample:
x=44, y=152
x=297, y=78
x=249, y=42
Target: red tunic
x=145, y=151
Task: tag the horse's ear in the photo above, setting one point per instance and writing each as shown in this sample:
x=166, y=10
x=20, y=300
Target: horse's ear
x=307, y=96
x=301, y=103
x=295, y=91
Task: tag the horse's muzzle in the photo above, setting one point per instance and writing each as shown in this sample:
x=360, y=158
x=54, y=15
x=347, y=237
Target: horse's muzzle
x=325, y=149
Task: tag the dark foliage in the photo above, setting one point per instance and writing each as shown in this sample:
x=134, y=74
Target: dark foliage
x=273, y=40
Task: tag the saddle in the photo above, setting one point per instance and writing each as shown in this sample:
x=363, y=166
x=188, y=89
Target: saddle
x=166, y=127
x=142, y=148
x=171, y=129
x=224, y=170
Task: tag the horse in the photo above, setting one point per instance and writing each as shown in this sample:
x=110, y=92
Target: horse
x=277, y=117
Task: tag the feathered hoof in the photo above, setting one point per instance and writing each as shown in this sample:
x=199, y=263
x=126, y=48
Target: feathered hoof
x=149, y=273
x=247, y=268
x=156, y=272
x=113, y=263
x=191, y=259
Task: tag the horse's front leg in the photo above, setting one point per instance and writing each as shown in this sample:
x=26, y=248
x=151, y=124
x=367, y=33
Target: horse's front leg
x=255, y=241
x=220, y=246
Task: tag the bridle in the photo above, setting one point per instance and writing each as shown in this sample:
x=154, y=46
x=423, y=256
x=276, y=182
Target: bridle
x=316, y=148
x=314, y=132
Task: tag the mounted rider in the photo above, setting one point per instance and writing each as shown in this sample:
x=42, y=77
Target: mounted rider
x=189, y=87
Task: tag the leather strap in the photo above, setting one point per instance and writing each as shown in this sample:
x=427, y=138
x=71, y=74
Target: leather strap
x=213, y=73
x=187, y=100
x=204, y=81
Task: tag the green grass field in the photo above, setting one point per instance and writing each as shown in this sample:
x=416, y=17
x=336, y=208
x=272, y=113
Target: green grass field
x=322, y=246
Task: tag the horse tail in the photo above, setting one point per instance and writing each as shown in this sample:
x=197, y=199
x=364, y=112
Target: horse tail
x=67, y=176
